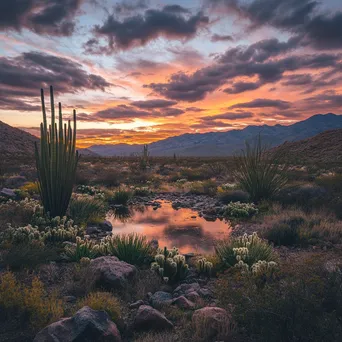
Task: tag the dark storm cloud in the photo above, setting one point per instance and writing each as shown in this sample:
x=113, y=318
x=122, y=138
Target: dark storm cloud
x=138, y=30
x=175, y=9
x=119, y=113
x=157, y=103
x=23, y=76
x=53, y=17
x=264, y=60
x=194, y=109
x=297, y=80
x=325, y=100
x=263, y=103
x=221, y=38
x=129, y=6
x=172, y=111
x=301, y=17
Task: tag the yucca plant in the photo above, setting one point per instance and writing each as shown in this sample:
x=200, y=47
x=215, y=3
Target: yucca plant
x=133, y=248
x=56, y=160
x=260, y=172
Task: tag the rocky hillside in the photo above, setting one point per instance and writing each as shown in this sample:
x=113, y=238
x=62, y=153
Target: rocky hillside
x=15, y=142
x=325, y=147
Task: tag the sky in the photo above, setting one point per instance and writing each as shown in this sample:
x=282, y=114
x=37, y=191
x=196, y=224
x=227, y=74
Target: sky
x=139, y=71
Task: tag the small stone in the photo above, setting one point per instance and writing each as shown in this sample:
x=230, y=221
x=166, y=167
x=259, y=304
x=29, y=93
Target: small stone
x=160, y=299
x=136, y=304
x=183, y=303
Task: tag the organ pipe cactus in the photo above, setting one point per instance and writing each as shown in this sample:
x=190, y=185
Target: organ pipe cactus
x=56, y=160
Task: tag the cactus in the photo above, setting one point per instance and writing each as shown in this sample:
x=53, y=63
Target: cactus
x=144, y=161
x=57, y=161
x=204, y=267
x=170, y=265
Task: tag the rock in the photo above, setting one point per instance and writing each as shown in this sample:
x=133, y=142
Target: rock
x=106, y=226
x=8, y=193
x=86, y=325
x=193, y=296
x=136, y=304
x=160, y=299
x=112, y=274
x=70, y=299
x=205, y=293
x=187, y=288
x=209, y=322
x=92, y=230
x=154, y=243
x=183, y=303
x=148, y=318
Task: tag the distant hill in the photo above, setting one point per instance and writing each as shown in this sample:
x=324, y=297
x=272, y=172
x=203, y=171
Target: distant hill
x=227, y=143
x=15, y=142
x=323, y=148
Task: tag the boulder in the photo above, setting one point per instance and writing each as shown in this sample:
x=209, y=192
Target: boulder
x=148, y=318
x=136, y=304
x=160, y=299
x=193, y=296
x=106, y=226
x=86, y=325
x=112, y=274
x=15, y=182
x=185, y=289
x=183, y=303
x=210, y=322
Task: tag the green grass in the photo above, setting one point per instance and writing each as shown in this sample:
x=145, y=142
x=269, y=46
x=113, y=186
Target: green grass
x=120, y=197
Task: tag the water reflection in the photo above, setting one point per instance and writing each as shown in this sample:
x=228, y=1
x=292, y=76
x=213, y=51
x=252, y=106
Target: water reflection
x=181, y=228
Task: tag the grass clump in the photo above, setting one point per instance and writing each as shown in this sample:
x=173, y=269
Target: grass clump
x=84, y=209
x=120, y=197
x=29, y=300
x=247, y=248
x=102, y=301
x=259, y=172
x=132, y=248
x=82, y=249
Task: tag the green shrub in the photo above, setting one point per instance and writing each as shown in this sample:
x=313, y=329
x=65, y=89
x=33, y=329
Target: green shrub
x=237, y=209
x=142, y=192
x=170, y=265
x=83, y=249
x=132, y=248
x=207, y=187
x=331, y=182
x=28, y=255
x=120, y=197
x=102, y=301
x=259, y=172
x=84, y=209
x=297, y=307
x=233, y=196
x=248, y=248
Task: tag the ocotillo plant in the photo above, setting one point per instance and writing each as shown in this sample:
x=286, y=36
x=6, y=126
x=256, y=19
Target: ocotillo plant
x=57, y=160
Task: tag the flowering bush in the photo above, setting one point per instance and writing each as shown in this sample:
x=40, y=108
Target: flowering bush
x=238, y=209
x=170, y=265
x=247, y=248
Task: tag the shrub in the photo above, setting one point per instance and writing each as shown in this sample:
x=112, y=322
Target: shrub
x=248, y=248
x=170, y=265
x=260, y=172
x=237, y=209
x=120, y=197
x=108, y=177
x=84, y=209
x=304, y=306
x=331, y=182
x=41, y=308
x=207, y=187
x=90, y=190
x=31, y=188
x=82, y=249
x=132, y=248
x=204, y=267
x=233, y=196
x=28, y=255
x=102, y=301
x=142, y=192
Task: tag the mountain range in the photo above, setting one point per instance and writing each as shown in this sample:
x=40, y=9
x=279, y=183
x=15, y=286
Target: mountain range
x=14, y=141
x=226, y=143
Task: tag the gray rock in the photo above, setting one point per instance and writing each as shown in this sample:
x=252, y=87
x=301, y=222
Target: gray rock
x=106, y=226
x=187, y=288
x=209, y=322
x=86, y=325
x=193, y=296
x=70, y=299
x=203, y=292
x=8, y=193
x=15, y=181
x=92, y=230
x=136, y=304
x=112, y=274
x=160, y=299
x=183, y=303
x=148, y=319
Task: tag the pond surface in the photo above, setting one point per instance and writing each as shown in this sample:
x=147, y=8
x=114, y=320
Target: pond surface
x=182, y=228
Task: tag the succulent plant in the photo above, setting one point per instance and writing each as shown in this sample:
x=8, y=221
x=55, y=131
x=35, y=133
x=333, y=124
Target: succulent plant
x=204, y=267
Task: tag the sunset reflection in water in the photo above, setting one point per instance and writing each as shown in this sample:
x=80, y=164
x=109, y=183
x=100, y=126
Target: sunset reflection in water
x=171, y=227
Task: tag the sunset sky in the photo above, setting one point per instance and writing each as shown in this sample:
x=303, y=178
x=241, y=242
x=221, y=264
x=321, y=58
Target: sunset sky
x=142, y=70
